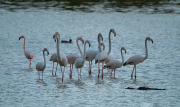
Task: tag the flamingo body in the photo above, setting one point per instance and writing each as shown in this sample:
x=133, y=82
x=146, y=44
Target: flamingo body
x=61, y=59
x=72, y=57
x=114, y=64
x=91, y=54
x=28, y=54
x=54, y=59
x=40, y=66
x=134, y=60
x=79, y=62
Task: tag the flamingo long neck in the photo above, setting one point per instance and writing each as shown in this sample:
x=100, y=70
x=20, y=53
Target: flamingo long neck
x=122, y=57
x=44, y=60
x=99, y=46
x=109, y=43
x=24, y=45
x=78, y=46
x=84, y=52
x=58, y=53
x=146, y=50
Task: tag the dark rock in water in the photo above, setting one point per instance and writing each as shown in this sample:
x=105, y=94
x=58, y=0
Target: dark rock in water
x=129, y=88
x=145, y=88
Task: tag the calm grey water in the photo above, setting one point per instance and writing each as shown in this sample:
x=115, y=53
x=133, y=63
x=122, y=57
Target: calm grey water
x=20, y=86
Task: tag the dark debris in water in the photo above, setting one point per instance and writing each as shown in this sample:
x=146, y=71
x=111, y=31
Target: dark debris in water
x=145, y=88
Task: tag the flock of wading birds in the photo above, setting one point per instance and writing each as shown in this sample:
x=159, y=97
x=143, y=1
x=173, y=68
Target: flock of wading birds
x=99, y=55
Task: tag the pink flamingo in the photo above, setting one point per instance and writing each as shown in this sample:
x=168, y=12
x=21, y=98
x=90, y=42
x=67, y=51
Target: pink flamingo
x=72, y=57
x=62, y=60
x=102, y=56
x=54, y=59
x=134, y=60
x=29, y=55
x=91, y=54
x=113, y=64
x=40, y=66
x=79, y=62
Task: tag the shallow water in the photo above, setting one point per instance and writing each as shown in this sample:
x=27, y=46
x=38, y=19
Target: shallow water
x=20, y=86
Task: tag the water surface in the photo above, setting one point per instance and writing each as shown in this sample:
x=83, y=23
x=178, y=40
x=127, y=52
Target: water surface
x=20, y=86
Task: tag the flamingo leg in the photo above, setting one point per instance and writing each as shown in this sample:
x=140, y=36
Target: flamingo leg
x=56, y=69
x=53, y=68
x=63, y=74
x=38, y=74
x=114, y=73
x=132, y=72
x=89, y=68
x=30, y=63
x=98, y=70
x=42, y=74
x=111, y=73
x=102, y=70
x=135, y=71
x=70, y=72
x=78, y=74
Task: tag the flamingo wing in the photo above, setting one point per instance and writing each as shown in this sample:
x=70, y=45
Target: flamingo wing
x=29, y=54
x=91, y=54
x=71, y=58
x=53, y=57
x=39, y=66
x=113, y=64
x=79, y=63
x=100, y=57
x=109, y=58
x=135, y=60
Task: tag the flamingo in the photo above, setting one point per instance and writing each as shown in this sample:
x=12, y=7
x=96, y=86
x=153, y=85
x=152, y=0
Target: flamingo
x=29, y=55
x=134, y=60
x=40, y=66
x=79, y=62
x=62, y=60
x=114, y=64
x=72, y=57
x=91, y=54
x=54, y=59
x=102, y=56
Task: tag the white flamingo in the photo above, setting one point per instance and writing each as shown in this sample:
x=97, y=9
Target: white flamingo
x=91, y=54
x=72, y=57
x=102, y=56
x=40, y=66
x=79, y=62
x=113, y=64
x=29, y=55
x=62, y=60
x=54, y=59
x=134, y=60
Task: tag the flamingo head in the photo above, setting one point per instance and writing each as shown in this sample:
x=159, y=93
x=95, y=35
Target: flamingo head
x=87, y=41
x=100, y=35
x=55, y=36
x=148, y=38
x=113, y=31
x=45, y=49
x=123, y=49
x=21, y=37
x=80, y=38
x=102, y=44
